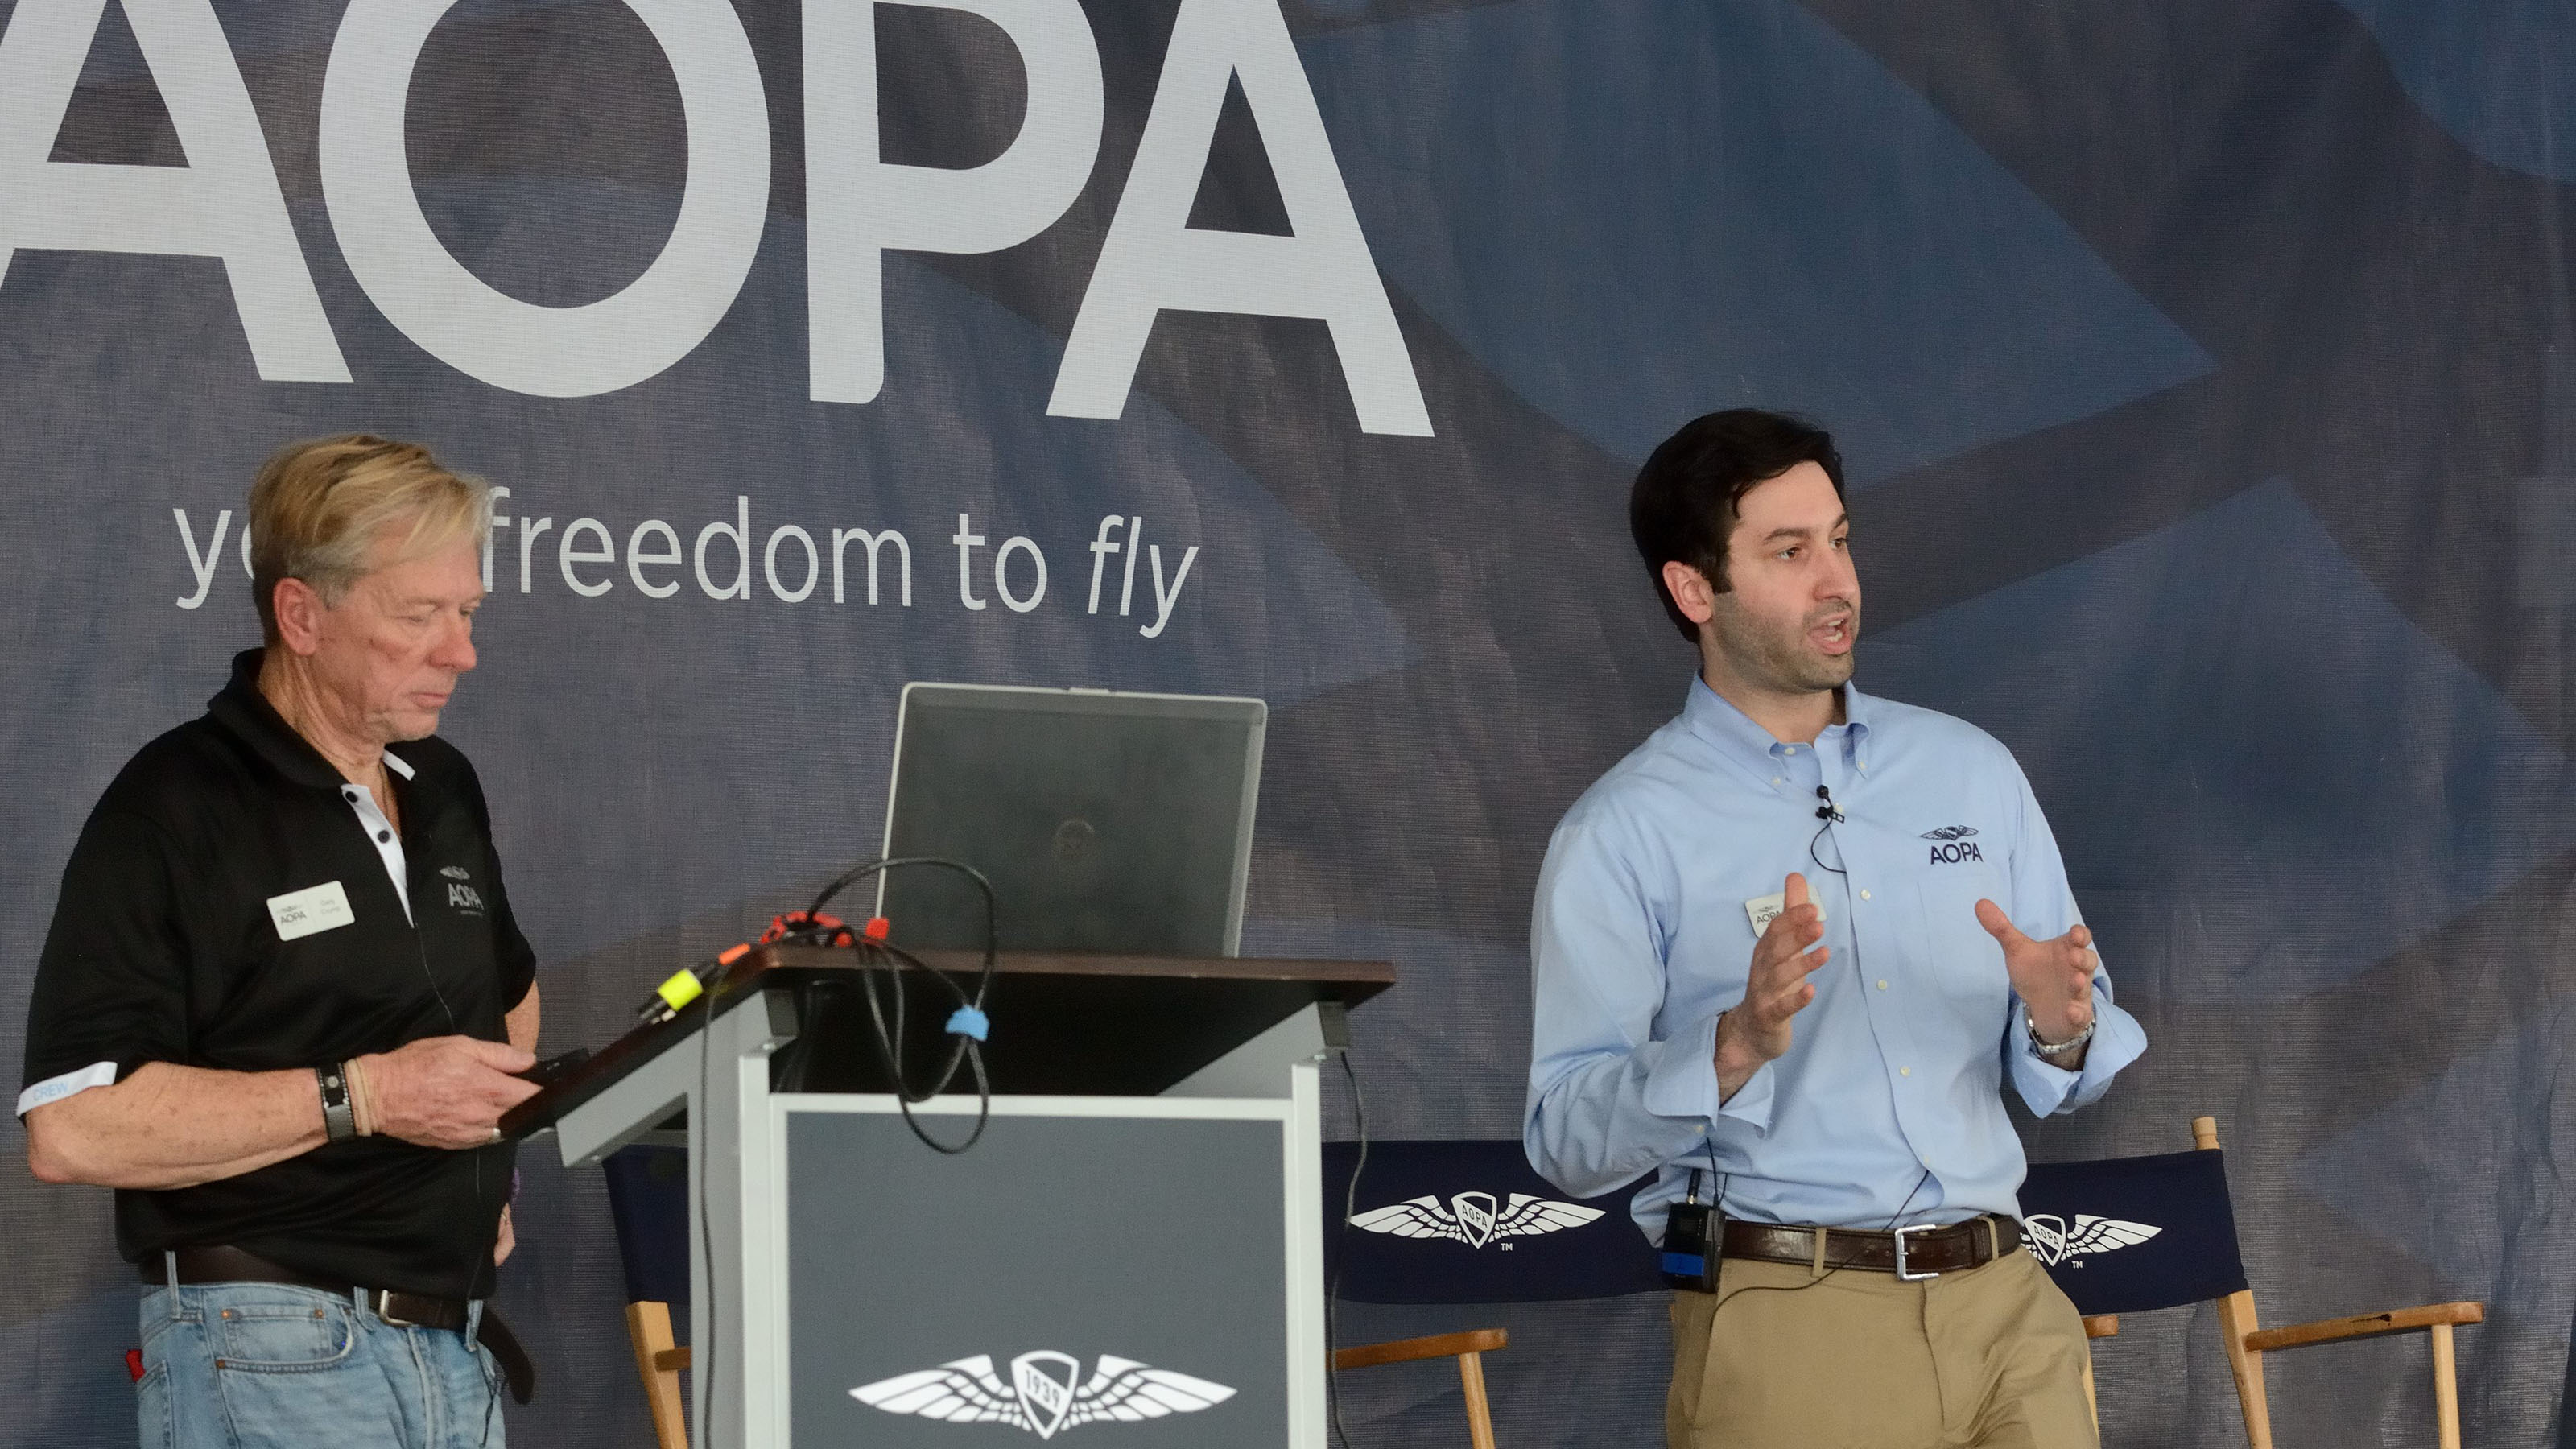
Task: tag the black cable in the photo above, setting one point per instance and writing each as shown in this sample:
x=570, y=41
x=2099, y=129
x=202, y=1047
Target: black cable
x=706, y=1230
x=964, y=1050
x=1341, y=1259
x=967, y=1050
x=474, y=1269
x=1829, y=813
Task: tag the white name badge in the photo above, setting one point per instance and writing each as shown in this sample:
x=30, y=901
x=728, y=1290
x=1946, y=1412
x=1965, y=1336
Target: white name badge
x=1763, y=910
x=302, y=913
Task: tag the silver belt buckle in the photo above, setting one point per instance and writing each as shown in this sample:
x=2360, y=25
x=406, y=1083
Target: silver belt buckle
x=385, y=1296
x=1903, y=1273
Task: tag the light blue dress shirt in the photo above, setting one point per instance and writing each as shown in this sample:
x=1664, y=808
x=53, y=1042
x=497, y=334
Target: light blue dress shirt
x=1887, y=1107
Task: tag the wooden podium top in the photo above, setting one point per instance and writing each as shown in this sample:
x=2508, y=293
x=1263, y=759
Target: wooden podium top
x=1062, y=1023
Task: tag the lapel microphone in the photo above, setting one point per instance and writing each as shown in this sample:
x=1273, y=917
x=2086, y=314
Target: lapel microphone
x=1829, y=811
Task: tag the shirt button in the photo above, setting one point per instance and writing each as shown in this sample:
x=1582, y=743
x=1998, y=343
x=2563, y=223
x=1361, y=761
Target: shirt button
x=384, y=835
x=1776, y=780
x=1882, y=985
x=1905, y=1071
x=1864, y=895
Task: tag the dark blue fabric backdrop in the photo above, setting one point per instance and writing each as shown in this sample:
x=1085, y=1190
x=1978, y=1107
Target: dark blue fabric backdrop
x=2207, y=371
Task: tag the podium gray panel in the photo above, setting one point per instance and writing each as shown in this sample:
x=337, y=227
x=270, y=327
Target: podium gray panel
x=1135, y=1270
x=1119, y=1279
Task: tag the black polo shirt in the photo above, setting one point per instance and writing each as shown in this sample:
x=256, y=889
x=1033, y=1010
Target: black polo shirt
x=164, y=948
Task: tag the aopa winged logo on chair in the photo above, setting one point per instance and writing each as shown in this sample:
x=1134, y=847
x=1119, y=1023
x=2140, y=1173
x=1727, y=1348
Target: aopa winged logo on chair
x=2052, y=1242
x=1046, y=1394
x=1476, y=1220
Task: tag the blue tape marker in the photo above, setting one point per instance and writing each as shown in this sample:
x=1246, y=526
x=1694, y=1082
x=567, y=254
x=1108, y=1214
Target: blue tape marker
x=1685, y=1265
x=967, y=1021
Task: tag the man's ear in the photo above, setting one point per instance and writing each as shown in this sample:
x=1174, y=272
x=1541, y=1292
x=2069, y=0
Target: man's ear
x=1691, y=591
x=299, y=611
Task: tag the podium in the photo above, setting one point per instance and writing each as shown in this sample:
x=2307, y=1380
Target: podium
x=1131, y=1252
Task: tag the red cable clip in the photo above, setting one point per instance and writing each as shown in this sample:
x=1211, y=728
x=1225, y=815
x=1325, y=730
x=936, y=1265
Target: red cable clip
x=878, y=928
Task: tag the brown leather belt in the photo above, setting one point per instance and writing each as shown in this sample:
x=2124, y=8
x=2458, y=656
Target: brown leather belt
x=400, y=1310
x=1910, y=1253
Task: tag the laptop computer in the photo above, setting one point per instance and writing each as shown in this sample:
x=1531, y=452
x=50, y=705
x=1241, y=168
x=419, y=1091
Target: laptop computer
x=1106, y=821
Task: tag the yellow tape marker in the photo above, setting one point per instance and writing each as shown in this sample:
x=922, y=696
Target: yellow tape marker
x=680, y=990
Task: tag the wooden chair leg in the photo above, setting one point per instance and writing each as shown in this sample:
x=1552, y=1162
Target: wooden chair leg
x=2446, y=1388
x=648, y=1328
x=1480, y=1414
x=2236, y=1319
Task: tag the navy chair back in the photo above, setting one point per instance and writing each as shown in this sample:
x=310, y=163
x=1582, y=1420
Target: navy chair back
x=2130, y=1234
x=648, y=1200
x=1469, y=1222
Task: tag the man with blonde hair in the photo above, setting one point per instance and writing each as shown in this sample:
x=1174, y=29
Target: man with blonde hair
x=283, y=999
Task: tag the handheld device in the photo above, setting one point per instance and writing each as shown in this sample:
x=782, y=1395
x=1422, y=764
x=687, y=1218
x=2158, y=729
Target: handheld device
x=554, y=1069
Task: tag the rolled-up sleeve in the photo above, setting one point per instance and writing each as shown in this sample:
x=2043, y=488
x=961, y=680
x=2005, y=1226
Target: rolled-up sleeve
x=1608, y=1099
x=2045, y=1088
x=2044, y=907
x=112, y=984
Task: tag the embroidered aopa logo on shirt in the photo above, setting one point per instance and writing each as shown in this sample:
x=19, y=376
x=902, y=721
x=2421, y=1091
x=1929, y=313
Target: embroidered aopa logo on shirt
x=1950, y=845
x=461, y=896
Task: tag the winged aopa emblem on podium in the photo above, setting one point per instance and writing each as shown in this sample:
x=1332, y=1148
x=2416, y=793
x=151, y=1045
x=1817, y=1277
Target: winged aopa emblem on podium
x=1476, y=1221
x=1046, y=1394
x=2052, y=1242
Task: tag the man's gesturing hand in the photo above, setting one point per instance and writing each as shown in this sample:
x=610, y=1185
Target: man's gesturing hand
x=2053, y=978
x=446, y=1091
x=1756, y=1029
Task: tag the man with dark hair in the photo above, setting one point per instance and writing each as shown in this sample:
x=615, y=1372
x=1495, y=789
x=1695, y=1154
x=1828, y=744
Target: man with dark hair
x=1785, y=955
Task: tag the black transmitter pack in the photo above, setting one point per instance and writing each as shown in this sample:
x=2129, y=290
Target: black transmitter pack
x=1693, y=1233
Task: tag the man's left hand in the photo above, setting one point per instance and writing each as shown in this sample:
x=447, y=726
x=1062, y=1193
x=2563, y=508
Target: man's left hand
x=2053, y=978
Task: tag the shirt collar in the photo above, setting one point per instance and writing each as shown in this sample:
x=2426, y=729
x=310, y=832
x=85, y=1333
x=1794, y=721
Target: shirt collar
x=1713, y=718
x=242, y=709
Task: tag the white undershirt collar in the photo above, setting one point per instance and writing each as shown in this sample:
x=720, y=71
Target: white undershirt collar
x=381, y=832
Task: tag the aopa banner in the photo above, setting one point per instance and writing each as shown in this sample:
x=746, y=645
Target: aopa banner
x=2207, y=374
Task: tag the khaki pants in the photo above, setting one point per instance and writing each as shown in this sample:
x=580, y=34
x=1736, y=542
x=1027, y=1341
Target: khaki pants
x=1992, y=1357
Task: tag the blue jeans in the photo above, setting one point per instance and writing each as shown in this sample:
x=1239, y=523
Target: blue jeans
x=265, y=1366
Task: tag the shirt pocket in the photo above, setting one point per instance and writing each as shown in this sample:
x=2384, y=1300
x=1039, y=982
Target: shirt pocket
x=1964, y=964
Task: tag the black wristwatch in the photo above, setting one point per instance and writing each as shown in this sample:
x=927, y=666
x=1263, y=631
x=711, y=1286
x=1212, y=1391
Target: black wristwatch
x=339, y=1119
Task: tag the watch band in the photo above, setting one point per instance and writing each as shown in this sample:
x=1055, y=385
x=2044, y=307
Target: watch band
x=339, y=1120
x=2049, y=1048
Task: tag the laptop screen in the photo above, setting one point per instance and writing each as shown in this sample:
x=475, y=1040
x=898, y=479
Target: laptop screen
x=1106, y=821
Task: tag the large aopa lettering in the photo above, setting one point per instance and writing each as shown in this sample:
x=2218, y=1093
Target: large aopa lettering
x=226, y=202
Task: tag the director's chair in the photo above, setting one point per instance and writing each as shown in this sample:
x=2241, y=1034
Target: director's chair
x=1466, y=1223
x=648, y=1200
x=2132, y=1234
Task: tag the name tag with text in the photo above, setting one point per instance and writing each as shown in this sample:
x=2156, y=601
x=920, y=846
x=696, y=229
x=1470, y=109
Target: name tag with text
x=303, y=913
x=1763, y=910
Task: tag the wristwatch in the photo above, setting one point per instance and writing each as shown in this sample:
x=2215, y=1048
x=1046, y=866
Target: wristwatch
x=2053, y=1049
x=339, y=1119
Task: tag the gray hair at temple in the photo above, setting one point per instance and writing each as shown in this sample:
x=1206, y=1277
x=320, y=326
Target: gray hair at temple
x=321, y=508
